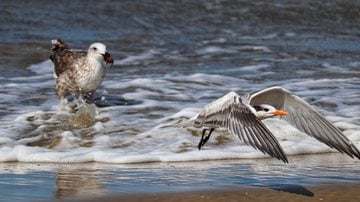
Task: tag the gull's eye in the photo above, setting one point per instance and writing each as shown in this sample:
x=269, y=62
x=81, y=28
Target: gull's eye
x=94, y=48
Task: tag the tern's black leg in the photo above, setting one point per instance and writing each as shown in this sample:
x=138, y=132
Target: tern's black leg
x=204, y=140
x=207, y=137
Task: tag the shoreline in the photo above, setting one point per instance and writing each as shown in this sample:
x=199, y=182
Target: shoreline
x=330, y=192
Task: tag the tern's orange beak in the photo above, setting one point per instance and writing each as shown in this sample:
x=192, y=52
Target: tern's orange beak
x=280, y=113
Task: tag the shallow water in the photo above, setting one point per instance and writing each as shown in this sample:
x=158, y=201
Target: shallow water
x=46, y=181
x=171, y=59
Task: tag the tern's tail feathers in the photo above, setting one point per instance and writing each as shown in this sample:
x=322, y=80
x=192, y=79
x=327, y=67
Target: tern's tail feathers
x=186, y=123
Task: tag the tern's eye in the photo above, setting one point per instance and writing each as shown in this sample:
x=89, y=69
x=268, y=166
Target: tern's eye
x=266, y=110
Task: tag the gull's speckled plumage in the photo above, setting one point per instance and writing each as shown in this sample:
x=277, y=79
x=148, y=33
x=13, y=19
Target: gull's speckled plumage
x=79, y=72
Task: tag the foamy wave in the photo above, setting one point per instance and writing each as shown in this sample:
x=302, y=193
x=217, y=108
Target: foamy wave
x=165, y=143
x=144, y=126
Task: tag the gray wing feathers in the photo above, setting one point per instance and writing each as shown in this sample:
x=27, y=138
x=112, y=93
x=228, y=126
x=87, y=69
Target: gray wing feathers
x=302, y=116
x=252, y=131
x=240, y=121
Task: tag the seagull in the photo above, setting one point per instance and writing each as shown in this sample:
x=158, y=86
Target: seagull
x=79, y=73
x=242, y=117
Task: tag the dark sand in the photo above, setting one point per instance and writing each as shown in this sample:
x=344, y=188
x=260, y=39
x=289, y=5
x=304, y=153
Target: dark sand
x=336, y=192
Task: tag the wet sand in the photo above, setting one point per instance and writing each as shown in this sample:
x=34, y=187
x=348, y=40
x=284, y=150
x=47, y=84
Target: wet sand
x=335, y=192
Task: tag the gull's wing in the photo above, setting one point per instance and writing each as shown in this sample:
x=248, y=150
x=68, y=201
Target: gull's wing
x=231, y=113
x=58, y=44
x=63, y=57
x=305, y=118
x=66, y=59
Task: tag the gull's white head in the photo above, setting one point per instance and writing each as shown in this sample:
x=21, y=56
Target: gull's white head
x=265, y=111
x=98, y=52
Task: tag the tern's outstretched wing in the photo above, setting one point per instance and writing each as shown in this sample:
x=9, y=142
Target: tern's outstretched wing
x=231, y=113
x=305, y=118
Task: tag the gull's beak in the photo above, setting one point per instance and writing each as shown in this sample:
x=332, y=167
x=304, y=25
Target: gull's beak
x=280, y=113
x=108, y=59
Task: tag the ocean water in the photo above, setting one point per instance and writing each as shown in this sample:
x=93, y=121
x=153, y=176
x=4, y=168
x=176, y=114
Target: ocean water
x=171, y=59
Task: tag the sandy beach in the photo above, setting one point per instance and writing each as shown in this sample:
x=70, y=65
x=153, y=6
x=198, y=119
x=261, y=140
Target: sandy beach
x=336, y=192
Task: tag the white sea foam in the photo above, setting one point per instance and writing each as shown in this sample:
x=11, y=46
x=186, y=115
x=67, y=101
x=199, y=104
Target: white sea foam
x=268, y=36
x=148, y=131
x=42, y=68
x=214, y=49
x=136, y=59
x=255, y=67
